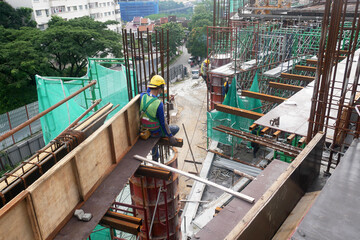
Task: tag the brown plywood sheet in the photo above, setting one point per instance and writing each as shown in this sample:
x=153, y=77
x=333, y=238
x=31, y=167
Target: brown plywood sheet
x=105, y=194
x=120, y=137
x=15, y=220
x=94, y=160
x=54, y=196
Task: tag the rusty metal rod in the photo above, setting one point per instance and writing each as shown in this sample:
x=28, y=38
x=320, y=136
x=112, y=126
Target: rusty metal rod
x=196, y=178
x=192, y=155
x=33, y=119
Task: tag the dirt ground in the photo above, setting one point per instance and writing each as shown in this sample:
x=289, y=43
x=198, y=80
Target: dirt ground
x=190, y=109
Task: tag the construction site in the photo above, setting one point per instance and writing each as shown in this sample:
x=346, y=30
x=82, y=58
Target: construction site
x=277, y=156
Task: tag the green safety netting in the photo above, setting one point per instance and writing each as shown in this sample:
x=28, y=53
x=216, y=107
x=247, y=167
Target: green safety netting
x=216, y=118
x=111, y=87
x=100, y=233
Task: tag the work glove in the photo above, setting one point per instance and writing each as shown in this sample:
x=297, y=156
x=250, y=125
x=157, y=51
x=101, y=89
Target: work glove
x=172, y=140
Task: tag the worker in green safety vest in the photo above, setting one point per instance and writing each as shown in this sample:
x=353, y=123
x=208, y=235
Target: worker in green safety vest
x=152, y=113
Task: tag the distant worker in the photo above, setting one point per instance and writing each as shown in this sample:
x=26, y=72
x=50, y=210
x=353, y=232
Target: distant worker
x=227, y=85
x=204, y=69
x=254, y=145
x=152, y=114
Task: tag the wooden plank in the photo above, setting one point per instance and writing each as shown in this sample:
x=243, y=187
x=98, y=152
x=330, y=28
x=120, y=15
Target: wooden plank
x=262, y=96
x=54, y=196
x=32, y=217
x=285, y=86
x=297, y=77
x=253, y=126
x=277, y=133
x=264, y=130
x=301, y=141
x=278, y=195
x=77, y=177
x=15, y=222
x=291, y=137
x=238, y=111
x=305, y=68
x=120, y=137
x=103, y=196
x=312, y=61
x=134, y=119
x=94, y=160
x=296, y=215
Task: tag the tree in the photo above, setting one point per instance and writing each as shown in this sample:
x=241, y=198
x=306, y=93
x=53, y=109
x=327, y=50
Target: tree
x=20, y=60
x=70, y=43
x=15, y=18
x=202, y=18
x=196, y=43
x=176, y=35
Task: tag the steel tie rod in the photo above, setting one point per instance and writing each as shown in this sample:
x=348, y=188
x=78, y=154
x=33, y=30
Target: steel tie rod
x=196, y=178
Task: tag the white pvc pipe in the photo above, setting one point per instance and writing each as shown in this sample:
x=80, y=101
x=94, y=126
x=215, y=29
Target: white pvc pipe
x=196, y=178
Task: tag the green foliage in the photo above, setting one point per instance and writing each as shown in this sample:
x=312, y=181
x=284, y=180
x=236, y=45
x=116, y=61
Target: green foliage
x=168, y=5
x=15, y=18
x=156, y=16
x=20, y=60
x=70, y=43
x=176, y=35
x=196, y=43
x=60, y=50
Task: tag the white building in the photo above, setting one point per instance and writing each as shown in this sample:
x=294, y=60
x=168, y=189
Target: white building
x=100, y=10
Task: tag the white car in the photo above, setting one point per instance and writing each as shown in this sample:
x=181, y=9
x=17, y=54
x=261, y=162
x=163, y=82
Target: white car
x=195, y=74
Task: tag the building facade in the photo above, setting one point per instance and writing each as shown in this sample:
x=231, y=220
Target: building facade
x=99, y=10
x=135, y=8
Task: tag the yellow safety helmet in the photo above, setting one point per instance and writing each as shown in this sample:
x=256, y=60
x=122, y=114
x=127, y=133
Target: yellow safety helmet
x=207, y=61
x=156, y=81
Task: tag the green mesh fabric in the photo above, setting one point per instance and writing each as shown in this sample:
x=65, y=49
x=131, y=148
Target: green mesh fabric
x=216, y=118
x=111, y=87
x=100, y=233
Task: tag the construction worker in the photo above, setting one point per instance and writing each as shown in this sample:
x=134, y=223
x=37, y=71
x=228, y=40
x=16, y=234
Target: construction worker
x=226, y=87
x=254, y=145
x=152, y=114
x=204, y=69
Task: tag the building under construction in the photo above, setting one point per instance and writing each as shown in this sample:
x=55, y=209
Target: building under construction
x=293, y=70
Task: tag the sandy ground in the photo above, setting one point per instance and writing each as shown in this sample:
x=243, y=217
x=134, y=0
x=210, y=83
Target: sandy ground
x=190, y=103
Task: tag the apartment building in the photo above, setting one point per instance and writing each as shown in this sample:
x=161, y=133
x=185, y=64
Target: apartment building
x=100, y=10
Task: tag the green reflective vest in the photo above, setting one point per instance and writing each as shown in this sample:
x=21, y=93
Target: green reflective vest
x=148, y=109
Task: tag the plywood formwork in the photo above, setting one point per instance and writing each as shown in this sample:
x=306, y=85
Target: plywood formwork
x=43, y=208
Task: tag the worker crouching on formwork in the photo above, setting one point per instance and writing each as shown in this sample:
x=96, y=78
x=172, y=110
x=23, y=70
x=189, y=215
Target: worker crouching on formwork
x=152, y=114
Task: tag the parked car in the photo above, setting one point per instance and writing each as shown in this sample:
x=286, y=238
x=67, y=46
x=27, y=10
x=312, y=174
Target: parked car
x=191, y=60
x=195, y=74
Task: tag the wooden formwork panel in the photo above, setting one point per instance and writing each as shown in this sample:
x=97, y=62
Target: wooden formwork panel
x=43, y=209
x=54, y=196
x=17, y=219
x=94, y=160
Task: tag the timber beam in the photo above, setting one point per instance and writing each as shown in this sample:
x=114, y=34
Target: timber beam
x=154, y=172
x=312, y=61
x=297, y=77
x=120, y=225
x=305, y=68
x=285, y=86
x=262, y=96
x=238, y=112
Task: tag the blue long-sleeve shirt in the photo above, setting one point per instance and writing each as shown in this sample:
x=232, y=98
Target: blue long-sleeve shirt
x=159, y=115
